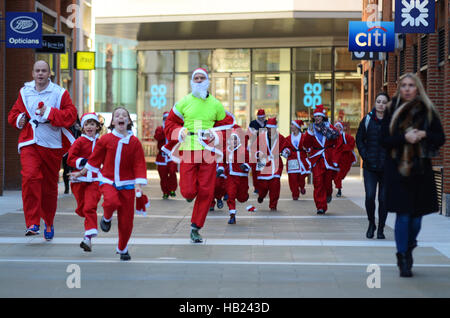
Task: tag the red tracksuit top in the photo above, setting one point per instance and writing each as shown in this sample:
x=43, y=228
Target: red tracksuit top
x=119, y=160
x=81, y=149
x=298, y=154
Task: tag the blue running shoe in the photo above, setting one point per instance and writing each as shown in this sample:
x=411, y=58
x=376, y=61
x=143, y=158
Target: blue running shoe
x=219, y=203
x=232, y=219
x=49, y=235
x=32, y=230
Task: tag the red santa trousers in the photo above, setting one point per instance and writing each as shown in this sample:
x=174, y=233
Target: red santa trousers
x=121, y=201
x=237, y=189
x=196, y=178
x=40, y=176
x=272, y=187
x=296, y=182
x=254, y=176
x=219, y=190
x=168, y=177
x=323, y=186
x=340, y=175
x=87, y=195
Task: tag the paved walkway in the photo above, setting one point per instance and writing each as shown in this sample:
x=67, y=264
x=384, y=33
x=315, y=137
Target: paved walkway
x=289, y=253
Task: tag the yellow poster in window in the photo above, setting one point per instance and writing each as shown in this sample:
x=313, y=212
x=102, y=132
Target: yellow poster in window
x=64, y=61
x=84, y=60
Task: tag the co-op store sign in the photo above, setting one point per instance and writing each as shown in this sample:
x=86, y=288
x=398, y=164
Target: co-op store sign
x=371, y=36
x=23, y=29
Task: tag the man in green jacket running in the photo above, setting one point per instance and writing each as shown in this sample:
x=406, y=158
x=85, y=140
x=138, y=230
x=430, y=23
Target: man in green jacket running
x=196, y=125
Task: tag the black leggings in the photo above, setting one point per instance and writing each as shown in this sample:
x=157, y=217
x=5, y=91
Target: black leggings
x=371, y=179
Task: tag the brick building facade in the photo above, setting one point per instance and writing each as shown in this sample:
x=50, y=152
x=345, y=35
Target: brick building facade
x=16, y=66
x=427, y=55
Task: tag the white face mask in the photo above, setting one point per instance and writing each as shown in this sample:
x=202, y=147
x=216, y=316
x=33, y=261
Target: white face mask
x=200, y=90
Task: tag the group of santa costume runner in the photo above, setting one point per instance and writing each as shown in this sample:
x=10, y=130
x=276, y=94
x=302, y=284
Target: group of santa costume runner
x=198, y=136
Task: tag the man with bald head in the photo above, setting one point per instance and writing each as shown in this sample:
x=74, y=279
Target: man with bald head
x=42, y=113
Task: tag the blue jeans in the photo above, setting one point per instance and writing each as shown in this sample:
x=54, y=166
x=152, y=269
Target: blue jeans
x=406, y=230
x=371, y=180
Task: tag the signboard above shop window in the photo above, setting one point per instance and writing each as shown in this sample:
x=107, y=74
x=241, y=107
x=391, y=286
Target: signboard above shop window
x=84, y=60
x=374, y=56
x=371, y=36
x=53, y=43
x=415, y=16
x=23, y=30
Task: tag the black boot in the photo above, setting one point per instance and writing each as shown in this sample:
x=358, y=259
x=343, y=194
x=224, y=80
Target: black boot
x=371, y=230
x=403, y=265
x=409, y=257
x=380, y=232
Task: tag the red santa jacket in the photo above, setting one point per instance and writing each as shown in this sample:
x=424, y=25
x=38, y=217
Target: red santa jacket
x=48, y=129
x=269, y=164
x=344, y=150
x=122, y=158
x=321, y=148
x=161, y=158
x=236, y=156
x=80, y=151
x=297, y=162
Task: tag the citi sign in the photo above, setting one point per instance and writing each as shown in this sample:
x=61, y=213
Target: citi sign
x=371, y=36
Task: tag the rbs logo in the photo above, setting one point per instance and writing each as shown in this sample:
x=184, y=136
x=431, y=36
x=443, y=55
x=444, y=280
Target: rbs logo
x=371, y=36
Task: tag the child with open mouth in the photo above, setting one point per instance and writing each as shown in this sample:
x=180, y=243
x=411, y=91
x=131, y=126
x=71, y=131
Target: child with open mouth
x=119, y=157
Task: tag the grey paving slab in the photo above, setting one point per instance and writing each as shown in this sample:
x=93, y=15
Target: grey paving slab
x=288, y=253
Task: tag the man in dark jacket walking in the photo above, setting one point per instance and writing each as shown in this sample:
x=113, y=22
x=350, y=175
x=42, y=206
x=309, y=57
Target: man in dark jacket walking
x=374, y=156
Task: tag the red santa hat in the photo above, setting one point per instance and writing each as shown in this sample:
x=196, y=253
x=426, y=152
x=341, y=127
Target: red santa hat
x=271, y=123
x=165, y=114
x=320, y=111
x=142, y=203
x=251, y=208
x=339, y=124
x=261, y=113
x=201, y=71
x=298, y=123
x=88, y=116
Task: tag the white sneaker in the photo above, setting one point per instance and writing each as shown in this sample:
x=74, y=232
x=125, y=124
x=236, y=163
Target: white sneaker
x=86, y=244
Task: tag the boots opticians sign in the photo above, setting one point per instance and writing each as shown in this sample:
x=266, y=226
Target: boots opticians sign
x=23, y=30
x=371, y=36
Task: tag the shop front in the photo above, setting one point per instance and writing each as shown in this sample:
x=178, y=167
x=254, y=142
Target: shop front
x=286, y=82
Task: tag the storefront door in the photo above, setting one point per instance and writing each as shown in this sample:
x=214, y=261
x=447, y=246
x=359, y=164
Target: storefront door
x=233, y=90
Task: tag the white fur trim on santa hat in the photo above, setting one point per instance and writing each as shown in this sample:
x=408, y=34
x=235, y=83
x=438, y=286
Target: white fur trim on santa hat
x=201, y=71
x=339, y=124
x=87, y=117
x=319, y=114
x=296, y=125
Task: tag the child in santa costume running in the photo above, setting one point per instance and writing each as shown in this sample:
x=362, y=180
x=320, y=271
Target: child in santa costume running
x=237, y=162
x=345, y=157
x=119, y=157
x=192, y=128
x=298, y=165
x=86, y=188
x=167, y=168
x=321, y=138
x=219, y=188
x=269, y=165
x=253, y=128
